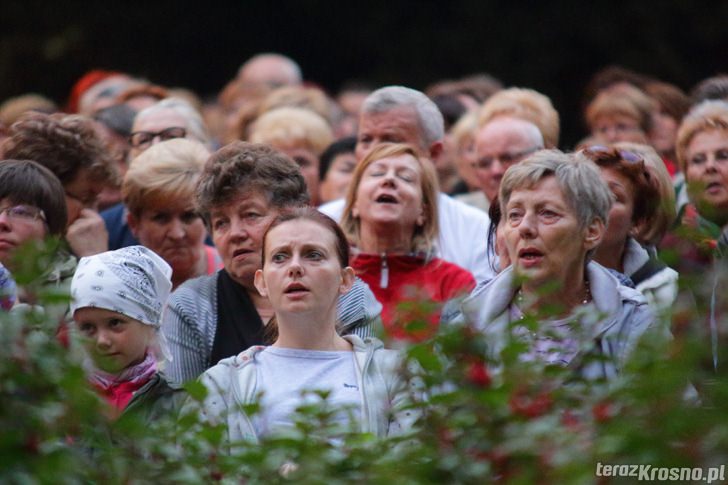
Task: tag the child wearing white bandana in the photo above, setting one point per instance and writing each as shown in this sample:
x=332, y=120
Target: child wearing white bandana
x=117, y=302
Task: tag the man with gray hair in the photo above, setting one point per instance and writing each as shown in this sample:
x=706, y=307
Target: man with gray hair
x=396, y=114
x=500, y=143
x=272, y=69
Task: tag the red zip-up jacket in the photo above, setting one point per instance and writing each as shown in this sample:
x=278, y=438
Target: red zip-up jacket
x=411, y=290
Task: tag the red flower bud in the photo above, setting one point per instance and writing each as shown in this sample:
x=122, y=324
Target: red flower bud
x=478, y=374
x=528, y=406
x=603, y=411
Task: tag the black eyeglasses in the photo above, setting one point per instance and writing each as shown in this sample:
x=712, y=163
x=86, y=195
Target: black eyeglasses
x=143, y=138
x=23, y=213
x=507, y=159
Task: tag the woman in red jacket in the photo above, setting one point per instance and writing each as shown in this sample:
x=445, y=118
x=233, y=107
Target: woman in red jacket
x=391, y=220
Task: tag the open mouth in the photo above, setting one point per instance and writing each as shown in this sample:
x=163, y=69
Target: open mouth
x=241, y=252
x=386, y=199
x=295, y=288
x=529, y=254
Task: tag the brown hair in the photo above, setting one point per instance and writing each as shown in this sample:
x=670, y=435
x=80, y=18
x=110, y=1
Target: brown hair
x=313, y=215
x=65, y=144
x=141, y=91
x=669, y=98
x=26, y=182
x=270, y=333
x=652, y=231
x=241, y=167
x=646, y=190
x=622, y=99
x=425, y=235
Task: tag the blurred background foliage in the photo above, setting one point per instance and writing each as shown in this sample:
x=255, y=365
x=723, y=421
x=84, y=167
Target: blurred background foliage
x=552, y=46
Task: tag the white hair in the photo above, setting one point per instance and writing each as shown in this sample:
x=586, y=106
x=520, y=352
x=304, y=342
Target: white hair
x=195, y=124
x=432, y=126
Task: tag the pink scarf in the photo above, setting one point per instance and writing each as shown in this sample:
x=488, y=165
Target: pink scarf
x=118, y=389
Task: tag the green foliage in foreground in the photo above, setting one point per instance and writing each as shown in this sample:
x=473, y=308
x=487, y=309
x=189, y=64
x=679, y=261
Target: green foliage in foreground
x=522, y=424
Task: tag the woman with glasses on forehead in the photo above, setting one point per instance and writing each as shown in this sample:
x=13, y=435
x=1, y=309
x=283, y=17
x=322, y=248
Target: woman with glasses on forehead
x=32, y=207
x=636, y=204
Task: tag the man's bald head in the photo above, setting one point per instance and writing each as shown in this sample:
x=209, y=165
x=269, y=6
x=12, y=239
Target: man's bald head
x=272, y=69
x=500, y=143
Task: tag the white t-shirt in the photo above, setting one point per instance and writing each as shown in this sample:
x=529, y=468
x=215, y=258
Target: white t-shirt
x=463, y=234
x=284, y=375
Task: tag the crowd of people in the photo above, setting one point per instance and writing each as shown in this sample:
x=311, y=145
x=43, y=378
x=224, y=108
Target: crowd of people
x=279, y=239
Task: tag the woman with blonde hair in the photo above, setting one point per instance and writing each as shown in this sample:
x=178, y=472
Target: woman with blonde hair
x=620, y=113
x=301, y=134
x=525, y=104
x=158, y=191
x=390, y=218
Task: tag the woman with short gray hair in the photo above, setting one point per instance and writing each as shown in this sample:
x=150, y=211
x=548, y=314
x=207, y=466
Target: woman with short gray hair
x=555, y=208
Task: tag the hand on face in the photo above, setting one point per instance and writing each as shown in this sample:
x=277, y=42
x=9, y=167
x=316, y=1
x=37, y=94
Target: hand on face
x=87, y=235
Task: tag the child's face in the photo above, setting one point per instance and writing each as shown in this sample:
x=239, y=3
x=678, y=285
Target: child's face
x=113, y=340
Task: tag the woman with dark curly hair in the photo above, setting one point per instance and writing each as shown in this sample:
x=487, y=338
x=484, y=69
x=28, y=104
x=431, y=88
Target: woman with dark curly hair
x=69, y=147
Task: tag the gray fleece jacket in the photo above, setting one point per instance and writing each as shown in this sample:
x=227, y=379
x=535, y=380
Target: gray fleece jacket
x=233, y=382
x=620, y=318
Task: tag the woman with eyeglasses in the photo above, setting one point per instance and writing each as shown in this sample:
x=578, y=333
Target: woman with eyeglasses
x=636, y=203
x=32, y=207
x=555, y=209
x=168, y=119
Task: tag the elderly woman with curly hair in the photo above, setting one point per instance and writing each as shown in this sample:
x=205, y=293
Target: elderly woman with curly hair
x=555, y=207
x=243, y=187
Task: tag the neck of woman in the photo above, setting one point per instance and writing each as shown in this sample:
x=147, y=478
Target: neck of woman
x=560, y=302
x=309, y=332
x=390, y=238
x=262, y=305
x=611, y=256
x=199, y=269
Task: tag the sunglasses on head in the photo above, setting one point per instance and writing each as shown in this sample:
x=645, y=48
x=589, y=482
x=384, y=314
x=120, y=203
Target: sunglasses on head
x=601, y=151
